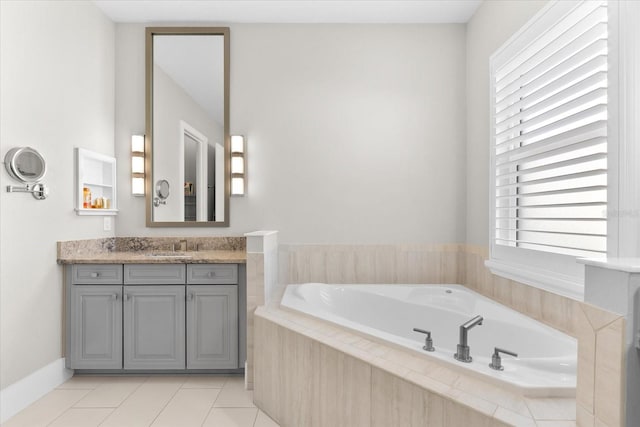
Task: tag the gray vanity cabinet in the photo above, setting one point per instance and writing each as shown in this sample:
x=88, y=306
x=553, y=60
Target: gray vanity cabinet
x=139, y=317
x=212, y=326
x=154, y=335
x=95, y=327
x=154, y=316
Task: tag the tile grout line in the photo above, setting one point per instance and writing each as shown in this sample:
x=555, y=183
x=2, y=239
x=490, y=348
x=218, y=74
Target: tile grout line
x=210, y=409
x=168, y=401
x=123, y=400
x=255, y=418
x=63, y=412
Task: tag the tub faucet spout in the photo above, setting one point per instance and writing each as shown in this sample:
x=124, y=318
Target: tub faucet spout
x=462, y=353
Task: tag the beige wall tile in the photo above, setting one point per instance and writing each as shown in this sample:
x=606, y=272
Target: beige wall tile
x=586, y=361
x=387, y=260
x=267, y=366
x=493, y=393
x=428, y=383
x=534, y=302
x=556, y=311
x=598, y=317
x=502, y=290
x=456, y=414
x=519, y=297
x=395, y=402
x=513, y=418
x=552, y=409
x=610, y=373
x=474, y=402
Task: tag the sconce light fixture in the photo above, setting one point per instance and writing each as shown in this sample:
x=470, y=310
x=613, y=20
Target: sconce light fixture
x=137, y=165
x=238, y=168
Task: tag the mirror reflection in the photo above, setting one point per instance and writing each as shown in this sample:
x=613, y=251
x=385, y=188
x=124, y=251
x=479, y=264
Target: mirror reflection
x=189, y=124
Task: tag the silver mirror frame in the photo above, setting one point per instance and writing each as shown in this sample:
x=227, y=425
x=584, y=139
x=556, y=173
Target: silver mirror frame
x=11, y=164
x=150, y=198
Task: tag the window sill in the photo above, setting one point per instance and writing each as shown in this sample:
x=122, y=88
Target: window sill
x=567, y=286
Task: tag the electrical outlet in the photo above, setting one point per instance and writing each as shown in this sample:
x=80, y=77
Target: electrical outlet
x=107, y=223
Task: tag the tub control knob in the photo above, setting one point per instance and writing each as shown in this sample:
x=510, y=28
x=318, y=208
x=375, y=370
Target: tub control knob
x=496, y=361
x=428, y=342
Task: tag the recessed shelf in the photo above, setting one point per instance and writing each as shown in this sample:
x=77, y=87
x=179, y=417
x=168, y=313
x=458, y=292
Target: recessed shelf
x=97, y=173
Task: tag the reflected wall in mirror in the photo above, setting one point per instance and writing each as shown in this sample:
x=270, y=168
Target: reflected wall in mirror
x=187, y=71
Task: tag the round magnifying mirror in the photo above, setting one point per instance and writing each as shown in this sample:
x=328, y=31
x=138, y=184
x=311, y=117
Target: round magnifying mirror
x=25, y=164
x=162, y=189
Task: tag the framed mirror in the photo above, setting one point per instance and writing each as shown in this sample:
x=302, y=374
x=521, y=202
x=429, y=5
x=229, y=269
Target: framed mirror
x=187, y=126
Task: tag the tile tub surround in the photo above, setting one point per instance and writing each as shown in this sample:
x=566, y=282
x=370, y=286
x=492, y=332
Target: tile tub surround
x=262, y=280
x=123, y=250
x=600, y=334
x=600, y=367
x=311, y=373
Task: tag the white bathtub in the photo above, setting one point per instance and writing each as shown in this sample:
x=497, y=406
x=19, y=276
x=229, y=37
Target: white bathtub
x=547, y=360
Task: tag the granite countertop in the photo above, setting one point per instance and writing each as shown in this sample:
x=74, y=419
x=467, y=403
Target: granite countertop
x=150, y=257
x=131, y=250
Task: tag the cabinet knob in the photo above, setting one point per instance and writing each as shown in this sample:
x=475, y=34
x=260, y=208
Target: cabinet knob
x=211, y=273
x=114, y=297
x=125, y=297
x=190, y=297
x=95, y=274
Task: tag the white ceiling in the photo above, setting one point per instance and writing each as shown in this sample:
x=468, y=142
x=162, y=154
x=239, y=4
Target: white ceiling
x=290, y=11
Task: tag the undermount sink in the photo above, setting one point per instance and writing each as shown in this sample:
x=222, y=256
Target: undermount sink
x=168, y=255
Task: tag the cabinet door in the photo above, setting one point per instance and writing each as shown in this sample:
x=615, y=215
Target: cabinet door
x=154, y=327
x=96, y=327
x=212, y=327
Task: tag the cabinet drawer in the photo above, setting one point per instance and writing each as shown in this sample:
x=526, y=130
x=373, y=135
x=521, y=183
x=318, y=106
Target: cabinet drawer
x=98, y=274
x=212, y=274
x=154, y=274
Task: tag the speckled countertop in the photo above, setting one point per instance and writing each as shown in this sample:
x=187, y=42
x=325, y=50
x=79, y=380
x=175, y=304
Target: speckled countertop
x=153, y=250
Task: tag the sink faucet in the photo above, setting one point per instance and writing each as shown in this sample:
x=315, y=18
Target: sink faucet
x=462, y=353
x=182, y=246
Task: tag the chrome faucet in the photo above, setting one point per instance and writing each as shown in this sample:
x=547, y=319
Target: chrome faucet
x=462, y=353
x=181, y=246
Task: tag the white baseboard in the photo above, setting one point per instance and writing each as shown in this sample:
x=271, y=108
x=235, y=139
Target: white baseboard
x=19, y=395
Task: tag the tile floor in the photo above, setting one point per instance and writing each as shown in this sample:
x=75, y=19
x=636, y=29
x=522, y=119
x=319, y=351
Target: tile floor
x=142, y=401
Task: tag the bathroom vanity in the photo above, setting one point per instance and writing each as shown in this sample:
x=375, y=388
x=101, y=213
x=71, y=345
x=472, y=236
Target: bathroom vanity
x=171, y=311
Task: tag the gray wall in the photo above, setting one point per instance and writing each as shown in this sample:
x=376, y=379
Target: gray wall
x=355, y=132
x=57, y=85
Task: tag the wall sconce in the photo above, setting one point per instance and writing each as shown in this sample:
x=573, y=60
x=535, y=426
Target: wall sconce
x=238, y=168
x=137, y=165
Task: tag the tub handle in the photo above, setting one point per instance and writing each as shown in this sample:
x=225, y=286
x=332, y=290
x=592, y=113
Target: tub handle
x=428, y=342
x=496, y=361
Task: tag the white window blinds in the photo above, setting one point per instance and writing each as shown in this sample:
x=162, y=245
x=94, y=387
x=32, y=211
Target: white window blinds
x=550, y=138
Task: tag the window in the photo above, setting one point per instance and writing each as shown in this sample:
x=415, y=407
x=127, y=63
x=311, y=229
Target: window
x=549, y=146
